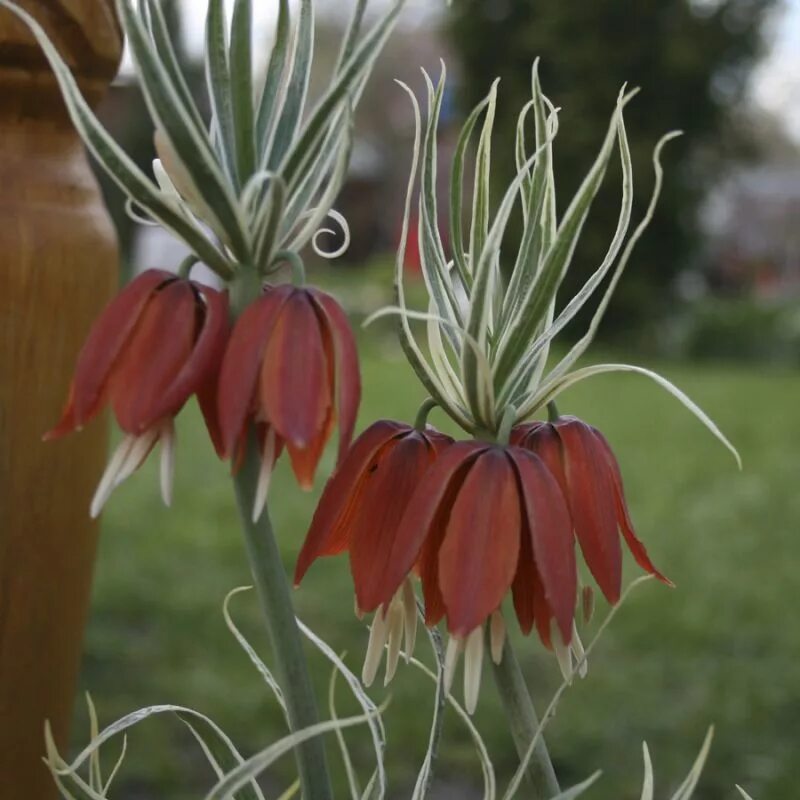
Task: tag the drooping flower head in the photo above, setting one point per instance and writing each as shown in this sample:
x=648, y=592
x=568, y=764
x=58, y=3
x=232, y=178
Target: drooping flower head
x=159, y=342
x=581, y=460
x=291, y=367
x=359, y=512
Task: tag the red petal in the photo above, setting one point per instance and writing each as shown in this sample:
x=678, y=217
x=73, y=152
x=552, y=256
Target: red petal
x=202, y=366
x=385, y=493
x=329, y=533
x=108, y=337
x=591, y=499
x=480, y=552
x=159, y=348
x=295, y=379
x=522, y=435
x=550, y=528
x=348, y=376
x=525, y=582
x=306, y=459
x=241, y=363
x=636, y=547
x=424, y=522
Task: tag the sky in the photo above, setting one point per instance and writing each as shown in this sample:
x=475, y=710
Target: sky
x=775, y=83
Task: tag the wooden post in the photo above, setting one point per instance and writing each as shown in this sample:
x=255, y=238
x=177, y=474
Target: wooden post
x=58, y=267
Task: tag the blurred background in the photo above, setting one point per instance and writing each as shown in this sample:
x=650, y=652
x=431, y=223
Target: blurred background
x=711, y=298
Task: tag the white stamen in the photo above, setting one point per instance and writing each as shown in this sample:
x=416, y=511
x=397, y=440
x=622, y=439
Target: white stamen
x=587, y=604
x=109, y=479
x=410, y=616
x=454, y=648
x=377, y=639
x=563, y=653
x=358, y=612
x=168, y=443
x=137, y=453
x=265, y=474
x=580, y=653
x=395, y=625
x=497, y=636
x=473, y=664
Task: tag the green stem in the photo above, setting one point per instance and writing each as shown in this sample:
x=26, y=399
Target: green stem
x=524, y=724
x=287, y=646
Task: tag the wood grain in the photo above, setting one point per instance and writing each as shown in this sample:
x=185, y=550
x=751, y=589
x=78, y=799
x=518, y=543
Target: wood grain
x=58, y=267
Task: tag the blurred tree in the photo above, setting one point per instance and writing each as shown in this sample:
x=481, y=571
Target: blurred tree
x=692, y=60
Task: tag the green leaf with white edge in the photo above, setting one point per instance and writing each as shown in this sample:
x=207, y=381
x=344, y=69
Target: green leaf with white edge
x=481, y=194
x=743, y=793
x=352, y=778
x=271, y=93
x=248, y=771
x=551, y=391
x=441, y=361
x=463, y=267
x=426, y=374
x=686, y=789
x=354, y=71
x=648, y=787
x=162, y=40
x=192, y=149
x=116, y=162
x=480, y=394
x=267, y=233
x=580, y=347
x=579, y=789
x=262, y=668
x=220, y=759
x=351, y=37
x=540, y=292
x=297, y=88
x=525, y=365
x=218, y=79
x=241, y=80
x=371, y=711
x=292, y=791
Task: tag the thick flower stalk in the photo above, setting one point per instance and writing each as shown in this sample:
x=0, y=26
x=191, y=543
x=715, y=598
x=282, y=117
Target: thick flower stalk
x=158, y=343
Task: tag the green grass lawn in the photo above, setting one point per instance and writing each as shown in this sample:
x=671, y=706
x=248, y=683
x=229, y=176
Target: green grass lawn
x=722, y=648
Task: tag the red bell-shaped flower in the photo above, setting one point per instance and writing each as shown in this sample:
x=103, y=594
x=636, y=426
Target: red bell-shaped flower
x=486, y=519
x=581, y=460
x=359, y=511
x=156, y=344
x=291, y=366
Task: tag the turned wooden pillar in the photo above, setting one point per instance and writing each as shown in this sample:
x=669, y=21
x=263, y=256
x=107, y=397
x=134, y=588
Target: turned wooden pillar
x=58, y=267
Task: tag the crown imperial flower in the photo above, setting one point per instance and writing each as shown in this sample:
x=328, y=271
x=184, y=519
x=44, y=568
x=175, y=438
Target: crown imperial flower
x=159, y=342
x=581, y=460
x=291, y=366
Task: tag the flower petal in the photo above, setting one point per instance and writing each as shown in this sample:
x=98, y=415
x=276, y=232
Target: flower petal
x=158, y=349
x=422, y=528
x=295, y=381
x=385, y=492
x=241, y=363
x=480, y=551
x=591, y=500
x=635, y=545
x=107, y=339
x=329, y=533
x=550, y=527
x=348, y=375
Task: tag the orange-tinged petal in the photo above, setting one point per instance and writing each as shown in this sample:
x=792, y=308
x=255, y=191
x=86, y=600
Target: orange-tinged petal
x=479, y=555
x=550, y=527
x=424, y=522
x=348, y=375
x=329, y=533
x=635, y=545
x=385, y=493
x=294, y=388
x=591, y=500
x=525, y=581
x=306, y=459
x=241, y=364
x=160, y=346
x=106, y=341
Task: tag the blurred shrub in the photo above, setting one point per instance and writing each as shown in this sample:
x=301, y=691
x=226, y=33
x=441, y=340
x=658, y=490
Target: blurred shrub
x=737, y=330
